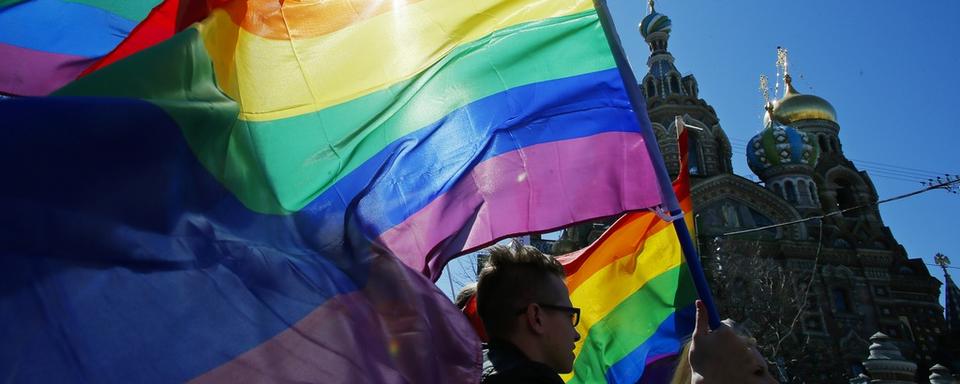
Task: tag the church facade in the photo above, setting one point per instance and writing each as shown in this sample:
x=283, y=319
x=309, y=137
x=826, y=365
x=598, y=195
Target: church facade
x=817, y=289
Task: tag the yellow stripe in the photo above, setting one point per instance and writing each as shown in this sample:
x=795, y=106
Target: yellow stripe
x=274, y=79
x=603, y=291
x=623, y=239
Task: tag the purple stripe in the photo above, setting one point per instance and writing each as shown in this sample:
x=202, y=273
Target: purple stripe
x=654, y=358
x=34, y=73
x=336, y=341
x=497, y=199
x=660, y=370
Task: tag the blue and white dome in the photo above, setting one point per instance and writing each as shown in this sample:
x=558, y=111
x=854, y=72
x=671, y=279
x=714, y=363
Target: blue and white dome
x=654, y=22
x=780, y=145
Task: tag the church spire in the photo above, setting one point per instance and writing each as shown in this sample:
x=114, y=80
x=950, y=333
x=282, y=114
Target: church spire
x=783, y=64
x=765, y=92
x=792, y=106
x=663, y=79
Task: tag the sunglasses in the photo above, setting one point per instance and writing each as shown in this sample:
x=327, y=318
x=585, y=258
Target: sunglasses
x=573, y=311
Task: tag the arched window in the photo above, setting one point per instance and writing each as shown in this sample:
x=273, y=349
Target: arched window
x=791, y=191
x=813, y=194
x=823, y=143
x=675, y=84
x=723, y=156
x=651, y=89
x=840, y=300
x=846, y=197
x=804, y=192
x=778, y=189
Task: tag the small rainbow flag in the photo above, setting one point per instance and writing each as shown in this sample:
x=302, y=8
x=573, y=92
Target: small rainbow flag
x=260, y=196
x=635, y=293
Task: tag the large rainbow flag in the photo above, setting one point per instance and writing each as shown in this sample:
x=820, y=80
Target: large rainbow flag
x=259, y=197
x=636, y=297
x=44, y=44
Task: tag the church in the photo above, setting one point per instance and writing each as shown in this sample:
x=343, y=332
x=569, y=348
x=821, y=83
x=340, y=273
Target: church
x=814, y=292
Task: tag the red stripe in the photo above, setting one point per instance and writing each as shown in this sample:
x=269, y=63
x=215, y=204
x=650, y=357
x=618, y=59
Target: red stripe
x=164, y=21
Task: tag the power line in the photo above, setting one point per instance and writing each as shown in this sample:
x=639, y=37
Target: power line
x=902, y=172
x=939, y=266
x=741, y=144
x=905, y=174
x=897, y=166
x=877, y=169
x=948, y=185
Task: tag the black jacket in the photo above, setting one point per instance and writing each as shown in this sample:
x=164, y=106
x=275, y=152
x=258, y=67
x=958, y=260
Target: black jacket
x=503, y=363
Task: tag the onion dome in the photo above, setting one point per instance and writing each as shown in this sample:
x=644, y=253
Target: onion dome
x=654, y=22
x=886, y=361
x=780, y=145
x=795, y=106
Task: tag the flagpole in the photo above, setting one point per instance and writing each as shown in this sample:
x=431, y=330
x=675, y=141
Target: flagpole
x=670, y=202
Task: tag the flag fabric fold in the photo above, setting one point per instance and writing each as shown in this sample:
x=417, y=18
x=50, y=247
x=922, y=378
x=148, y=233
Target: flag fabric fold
x=635, y=294
x=45, y=44
x=265, y=195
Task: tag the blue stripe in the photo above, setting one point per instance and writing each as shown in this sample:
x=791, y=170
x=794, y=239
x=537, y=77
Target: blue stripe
x=425, y=164
x=123, y=260
x=118, y=247
x=666, y=339
x=62, y=27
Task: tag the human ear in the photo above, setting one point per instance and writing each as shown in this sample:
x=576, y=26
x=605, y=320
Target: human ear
x=535, y=319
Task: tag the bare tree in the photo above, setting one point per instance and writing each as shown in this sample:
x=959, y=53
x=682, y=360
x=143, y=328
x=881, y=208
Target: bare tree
x=464, y=270
x=756, y=288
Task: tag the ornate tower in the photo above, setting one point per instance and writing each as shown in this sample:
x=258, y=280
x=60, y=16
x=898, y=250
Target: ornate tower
x=952, y=300
x=950, y=346
x=670, y=94
x=841, y=186
x=864, y=282
x=784, y=158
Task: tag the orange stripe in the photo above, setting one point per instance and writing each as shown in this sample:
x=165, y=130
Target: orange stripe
x=282, y=20
x=624, y=238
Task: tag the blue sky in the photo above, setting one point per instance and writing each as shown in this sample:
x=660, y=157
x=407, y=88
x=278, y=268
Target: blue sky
x=890, y=69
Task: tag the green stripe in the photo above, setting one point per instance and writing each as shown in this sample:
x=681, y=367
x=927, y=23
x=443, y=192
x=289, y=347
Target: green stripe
x=187, y=90
x=7, y=3
x=280, y=166
x=302, y=156
x=631, y=323
x=133, y=10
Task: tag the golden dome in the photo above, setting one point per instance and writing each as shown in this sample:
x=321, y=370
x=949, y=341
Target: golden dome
x=795, y=106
